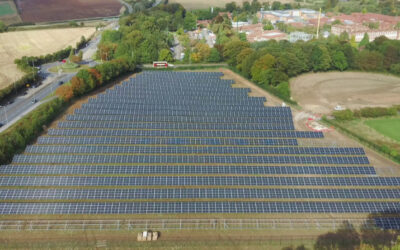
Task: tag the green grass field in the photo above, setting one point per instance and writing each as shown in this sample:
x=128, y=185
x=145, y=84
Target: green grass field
x=5, y=9
x=388, y=127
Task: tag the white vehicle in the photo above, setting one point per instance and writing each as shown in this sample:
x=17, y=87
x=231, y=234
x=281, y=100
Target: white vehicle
x=339, y=108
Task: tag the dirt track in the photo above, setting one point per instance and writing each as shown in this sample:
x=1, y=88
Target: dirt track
x=321, y=92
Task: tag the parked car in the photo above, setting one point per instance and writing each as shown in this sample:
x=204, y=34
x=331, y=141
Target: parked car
x=34, y=100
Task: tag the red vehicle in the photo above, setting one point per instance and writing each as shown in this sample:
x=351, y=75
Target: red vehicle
x=160, y=64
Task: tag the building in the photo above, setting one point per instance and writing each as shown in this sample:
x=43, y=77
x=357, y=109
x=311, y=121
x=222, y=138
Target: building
x=296, y=36
x=358, y=32
x=256, y=33
x=288, y=16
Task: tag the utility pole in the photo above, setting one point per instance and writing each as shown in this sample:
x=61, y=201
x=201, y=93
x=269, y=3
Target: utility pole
x=319, y=20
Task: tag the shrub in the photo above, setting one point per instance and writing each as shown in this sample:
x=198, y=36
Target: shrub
x=377, y=112
x=343, y=115
x=283, y=89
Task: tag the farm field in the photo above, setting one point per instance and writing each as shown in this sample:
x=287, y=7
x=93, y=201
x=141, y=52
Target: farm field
x=321, y=92
x=201, y=4
x=388, y=127
x=6, y=9
x=8, y=12
x=58, y=10
x=34, y=43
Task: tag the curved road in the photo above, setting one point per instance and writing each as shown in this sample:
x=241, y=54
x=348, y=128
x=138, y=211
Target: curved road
x=23, y=104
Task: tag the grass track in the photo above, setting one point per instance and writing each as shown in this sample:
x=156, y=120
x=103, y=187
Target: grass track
x=389, y=127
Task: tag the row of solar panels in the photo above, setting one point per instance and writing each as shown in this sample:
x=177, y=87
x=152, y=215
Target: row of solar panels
x=196, y=193
x=388, y=223
x=207, y=159
x=152, y=112
x=145, y=106
x=81, y=181
x=253, y=101
x=180, y=119
x=71, y=149
x=165, y=169
x=171, y=94
x=186, y=133
x=180, y=126
x=163, y=141
x=212, y=87
x=203, y=99
x=199, y=207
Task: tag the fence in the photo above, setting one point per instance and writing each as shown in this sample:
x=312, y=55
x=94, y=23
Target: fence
x=179, y=224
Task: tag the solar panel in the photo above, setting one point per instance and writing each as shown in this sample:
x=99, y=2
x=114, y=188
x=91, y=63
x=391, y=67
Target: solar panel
x=189, y=135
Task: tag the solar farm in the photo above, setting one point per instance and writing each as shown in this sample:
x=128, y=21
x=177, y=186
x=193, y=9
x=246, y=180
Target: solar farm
x=190, y=143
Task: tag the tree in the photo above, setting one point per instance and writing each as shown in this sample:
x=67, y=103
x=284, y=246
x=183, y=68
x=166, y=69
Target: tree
x=276, y=5
x=339, y=61
x=255, y=6
x=320, y=58
x=65, y=92
x=268, y=25
x=3, y=27
x=254, y=20
x=214, y=56
x=78, y=86
x=369, y=60
x=241, y=56
x=232, y=49
x=204, y=50
x=165, y=55
x=248, y=62
x=262, y=64
x=376, y=237
x=365, y=41
x=344, y=36
x=246, y=6
x=395, y=69
x=345, y=238
x=195, y=57
x=190, y=21
x=231, y=7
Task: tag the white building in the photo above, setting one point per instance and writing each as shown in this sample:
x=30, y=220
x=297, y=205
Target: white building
x=296, y=36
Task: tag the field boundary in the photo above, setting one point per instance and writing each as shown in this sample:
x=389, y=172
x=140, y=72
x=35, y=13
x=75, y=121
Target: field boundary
x=179, y=224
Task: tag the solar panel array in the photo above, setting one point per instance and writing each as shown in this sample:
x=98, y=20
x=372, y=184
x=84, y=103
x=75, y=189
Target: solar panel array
x=188, y=142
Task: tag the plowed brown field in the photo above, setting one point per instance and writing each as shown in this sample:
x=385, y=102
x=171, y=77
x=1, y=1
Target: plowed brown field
x=57, y=10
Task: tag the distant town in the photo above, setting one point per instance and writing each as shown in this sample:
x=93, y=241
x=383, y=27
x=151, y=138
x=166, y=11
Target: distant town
x=273, y=24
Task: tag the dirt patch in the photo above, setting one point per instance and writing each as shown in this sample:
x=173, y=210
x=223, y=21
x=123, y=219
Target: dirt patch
x=34, y=43
x=58, y=10
x=322, y=92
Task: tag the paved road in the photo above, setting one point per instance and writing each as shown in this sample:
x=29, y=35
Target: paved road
x=127, y=5
x=23, y=104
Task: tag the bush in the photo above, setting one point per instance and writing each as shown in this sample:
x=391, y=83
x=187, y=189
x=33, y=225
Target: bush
x=376, y=112
x=283, y=89
x=343, y=115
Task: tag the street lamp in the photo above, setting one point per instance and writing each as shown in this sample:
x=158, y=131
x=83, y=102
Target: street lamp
x=5, y=113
